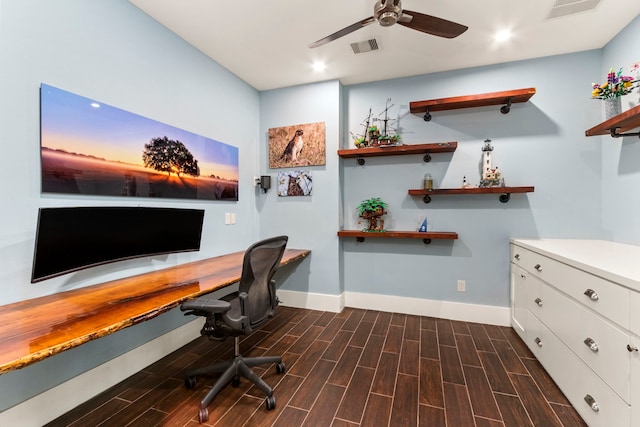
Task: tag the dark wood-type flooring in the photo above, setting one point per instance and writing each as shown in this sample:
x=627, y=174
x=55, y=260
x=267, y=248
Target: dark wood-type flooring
x=355, y=368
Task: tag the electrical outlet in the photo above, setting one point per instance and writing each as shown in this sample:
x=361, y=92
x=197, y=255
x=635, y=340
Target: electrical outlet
x=462, y=286
x=233, y=218
x=227, y=218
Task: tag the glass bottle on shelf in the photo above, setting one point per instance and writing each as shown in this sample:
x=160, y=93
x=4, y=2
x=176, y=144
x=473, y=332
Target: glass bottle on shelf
x=428, y=181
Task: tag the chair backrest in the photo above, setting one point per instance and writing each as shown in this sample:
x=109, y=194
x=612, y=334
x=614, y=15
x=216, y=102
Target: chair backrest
x=261, y=261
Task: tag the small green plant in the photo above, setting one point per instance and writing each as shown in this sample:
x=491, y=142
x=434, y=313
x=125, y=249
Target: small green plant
x=371, y=205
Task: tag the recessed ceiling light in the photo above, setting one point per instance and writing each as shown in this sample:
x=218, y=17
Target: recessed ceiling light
x=319, y=66
x=502, y=35
x=95, y=105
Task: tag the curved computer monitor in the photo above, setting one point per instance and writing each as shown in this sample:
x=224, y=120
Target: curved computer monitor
x=72, y=239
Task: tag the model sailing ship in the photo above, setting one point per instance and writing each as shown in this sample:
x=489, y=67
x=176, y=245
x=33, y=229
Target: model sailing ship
x=377, y=136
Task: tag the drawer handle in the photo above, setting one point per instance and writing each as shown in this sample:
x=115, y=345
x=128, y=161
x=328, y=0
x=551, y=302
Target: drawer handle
x=539, y=302
x=631, y=348
x=593, y=346
x=592, y=402
x=523, y=276
x=517, y=256
x=538, y=342
x=538, y=267
x=592, y=294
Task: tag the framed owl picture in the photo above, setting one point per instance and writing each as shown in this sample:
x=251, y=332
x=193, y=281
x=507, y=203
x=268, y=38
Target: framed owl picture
x=297, y=145
x=295, y=183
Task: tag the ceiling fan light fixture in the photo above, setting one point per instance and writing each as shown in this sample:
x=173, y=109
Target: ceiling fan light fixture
x=387, y=19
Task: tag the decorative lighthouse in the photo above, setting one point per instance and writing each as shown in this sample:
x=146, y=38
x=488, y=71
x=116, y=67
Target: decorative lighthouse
x=490, y=176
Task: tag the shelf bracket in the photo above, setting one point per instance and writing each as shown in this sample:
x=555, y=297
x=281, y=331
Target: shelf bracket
x=506, y=108
x=426, y=198
x=427, y=158
x=360, y=160
x=427, y=116
x=426, y=241
x=615, y=134
x=360, y=239
x=504, y=198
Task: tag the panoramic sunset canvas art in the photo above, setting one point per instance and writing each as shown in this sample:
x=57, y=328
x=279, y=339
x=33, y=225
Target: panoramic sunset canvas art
x=88, y=147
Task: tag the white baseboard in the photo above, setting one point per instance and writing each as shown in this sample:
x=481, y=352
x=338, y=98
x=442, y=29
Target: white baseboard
x=54, y=402
x=488, y=314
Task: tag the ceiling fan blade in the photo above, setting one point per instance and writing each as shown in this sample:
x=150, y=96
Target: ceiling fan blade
x=432, y=25
x=343, y=32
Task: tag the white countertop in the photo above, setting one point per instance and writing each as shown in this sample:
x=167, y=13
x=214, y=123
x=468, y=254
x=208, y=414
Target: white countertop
x=616, y=262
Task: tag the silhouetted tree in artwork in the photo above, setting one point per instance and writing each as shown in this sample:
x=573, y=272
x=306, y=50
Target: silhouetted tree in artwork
x=166, y=155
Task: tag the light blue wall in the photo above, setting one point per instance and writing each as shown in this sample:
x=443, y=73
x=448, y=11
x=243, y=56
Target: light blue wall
x=110, y=51
x=310, y=222
x=621, y=157
x=540, y=143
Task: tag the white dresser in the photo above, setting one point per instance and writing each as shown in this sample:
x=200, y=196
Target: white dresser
x=576, y=304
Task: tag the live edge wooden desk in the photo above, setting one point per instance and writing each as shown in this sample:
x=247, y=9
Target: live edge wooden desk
x=35, y=329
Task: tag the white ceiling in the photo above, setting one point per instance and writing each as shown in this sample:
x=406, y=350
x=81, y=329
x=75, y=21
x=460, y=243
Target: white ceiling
x=264, y=42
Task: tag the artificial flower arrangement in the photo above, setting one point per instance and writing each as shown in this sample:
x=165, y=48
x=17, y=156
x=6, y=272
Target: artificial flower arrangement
x=616, y=85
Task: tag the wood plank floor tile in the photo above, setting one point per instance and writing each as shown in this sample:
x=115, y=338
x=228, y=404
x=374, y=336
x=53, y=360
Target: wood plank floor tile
x=430, y=387
x=497, y=375
x=457, y=406
x=393, y=343
x=409, y=357
x=353, y=320
x=377, y=411
x=467, y=350
x=513, y=412
x=404, y=410
x=482, y=401
x=450, y=364
x=412, y=328
x=480, y=337
x=431, y=417
x=445, y=332
x=358, y=368
x=312, y=385
x=385, y=379
x=429, y=344
x=372, y=351
x=355, y=397
x=324, y=409
x=382, y=323
x=346, y=366
x=361, y=334
x=533, y=400
x=508, y=357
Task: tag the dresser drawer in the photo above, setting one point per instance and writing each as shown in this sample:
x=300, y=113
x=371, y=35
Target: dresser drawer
x=599, y=295
x=600, y=344
x=575, y=379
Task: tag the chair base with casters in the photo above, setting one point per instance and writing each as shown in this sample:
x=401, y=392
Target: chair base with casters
x=238, y=314
x=231, y=372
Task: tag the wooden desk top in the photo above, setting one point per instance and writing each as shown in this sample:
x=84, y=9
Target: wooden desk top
x=35, y=329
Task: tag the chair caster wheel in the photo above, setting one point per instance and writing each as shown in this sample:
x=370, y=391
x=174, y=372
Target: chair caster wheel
x=203, y=415
x=270, y=402
x=190, y=382
x=235, y=381
x=281, y=368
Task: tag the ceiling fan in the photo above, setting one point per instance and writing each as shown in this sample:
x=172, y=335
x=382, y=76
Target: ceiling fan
x=390, y=12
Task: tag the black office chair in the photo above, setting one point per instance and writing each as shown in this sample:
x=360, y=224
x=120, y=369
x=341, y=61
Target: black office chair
x=238, y=314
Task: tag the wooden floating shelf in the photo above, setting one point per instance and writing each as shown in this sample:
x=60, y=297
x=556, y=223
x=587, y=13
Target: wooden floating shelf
x=624, y=122
x=399, y=150
x=505, y=98
x=426, y=237
x=504, y=191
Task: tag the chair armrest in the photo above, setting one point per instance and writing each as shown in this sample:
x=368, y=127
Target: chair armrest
x=205, y=305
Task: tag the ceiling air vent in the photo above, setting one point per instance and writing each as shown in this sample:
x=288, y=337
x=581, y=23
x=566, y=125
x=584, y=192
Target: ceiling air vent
x=365, y=46
x=568, y=7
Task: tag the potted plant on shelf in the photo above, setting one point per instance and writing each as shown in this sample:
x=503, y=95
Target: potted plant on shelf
x=371, y=210
x=613, y=90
